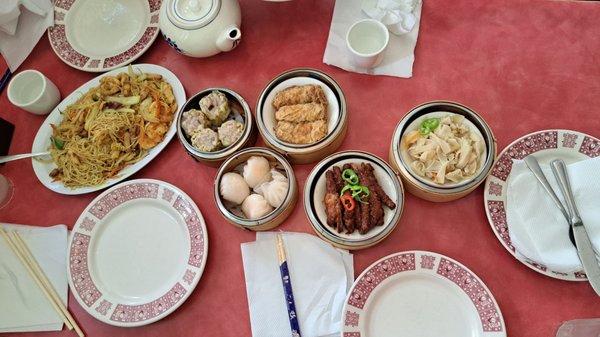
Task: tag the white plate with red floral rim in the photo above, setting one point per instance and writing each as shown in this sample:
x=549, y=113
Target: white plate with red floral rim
x=570, y=146
x=418, y=293
x=137, y=252
x=97, y=36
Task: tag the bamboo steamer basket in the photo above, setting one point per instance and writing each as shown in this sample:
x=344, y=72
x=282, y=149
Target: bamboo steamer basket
x=431, y=191
x=277, y=216
x=310, y=153
x=214, y=159
x=314, y=193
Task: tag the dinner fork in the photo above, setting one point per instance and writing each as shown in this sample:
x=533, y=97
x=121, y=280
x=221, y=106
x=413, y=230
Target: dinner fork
x=534, y=166
x=6, y=159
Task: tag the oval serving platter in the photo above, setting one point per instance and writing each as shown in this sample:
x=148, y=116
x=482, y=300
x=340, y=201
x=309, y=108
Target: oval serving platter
x=41, y=143
x=570, y=146
x=419, y=293
x=137, y=252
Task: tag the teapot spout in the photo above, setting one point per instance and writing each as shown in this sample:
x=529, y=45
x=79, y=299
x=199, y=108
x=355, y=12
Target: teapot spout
x=229, y=38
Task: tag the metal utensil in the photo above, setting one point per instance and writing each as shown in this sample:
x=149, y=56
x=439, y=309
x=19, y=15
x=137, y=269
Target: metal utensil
x=584, y=245
x=534, y=166
x=5, y=159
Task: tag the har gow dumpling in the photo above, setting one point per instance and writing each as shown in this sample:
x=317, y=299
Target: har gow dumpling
x=234, y=188
x=256, y=171
x=274, y=191
x=255, y=206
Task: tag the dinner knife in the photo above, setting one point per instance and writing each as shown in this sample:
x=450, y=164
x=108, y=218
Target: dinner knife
x=584, y=244
x=534, y=166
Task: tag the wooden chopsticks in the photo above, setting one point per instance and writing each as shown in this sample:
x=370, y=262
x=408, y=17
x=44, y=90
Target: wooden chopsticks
x=19, y=247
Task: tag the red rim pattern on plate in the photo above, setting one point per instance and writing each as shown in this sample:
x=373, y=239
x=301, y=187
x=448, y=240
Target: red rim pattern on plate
x=496, y=184
x=480, y=296
x=65, y=51
x=82, y=283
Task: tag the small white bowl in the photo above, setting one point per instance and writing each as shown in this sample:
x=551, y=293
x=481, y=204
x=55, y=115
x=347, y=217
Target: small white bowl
x=242, y=113
x=31, y=91
x=367, y=40
x=414, y=125
x=333, y=108
x=426, y=189
x=275, y=217
x=314, y=194
x=337, y=116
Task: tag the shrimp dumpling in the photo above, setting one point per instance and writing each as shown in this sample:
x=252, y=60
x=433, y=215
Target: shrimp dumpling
x=255, y=206
x=256, y=171
x=234, y=188
x=274, y=191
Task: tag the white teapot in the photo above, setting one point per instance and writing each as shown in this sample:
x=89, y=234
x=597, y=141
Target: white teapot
x=201, y=28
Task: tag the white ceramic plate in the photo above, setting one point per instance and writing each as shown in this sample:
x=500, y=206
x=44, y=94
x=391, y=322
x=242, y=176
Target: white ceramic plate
x=415, y=126
x=423, y=294
x=314, y=195
x=41, y=142
x=333, y=109
x=570, y=146
x=96, y=36
x=137, y=252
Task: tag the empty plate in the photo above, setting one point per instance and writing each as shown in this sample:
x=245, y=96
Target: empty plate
x=102, y=35
x=418, y=293
x=137, y=252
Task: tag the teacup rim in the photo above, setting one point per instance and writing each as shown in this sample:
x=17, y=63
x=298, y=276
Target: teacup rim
x=380, y=50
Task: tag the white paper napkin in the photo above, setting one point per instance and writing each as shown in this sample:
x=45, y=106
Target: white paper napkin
x=537, y=229
x=399, y=54
x=21, y=27
x=321, y=276
x=23, y=306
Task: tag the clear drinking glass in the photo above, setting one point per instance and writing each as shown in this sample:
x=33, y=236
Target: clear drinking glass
x=580, y=328
x=6, y=191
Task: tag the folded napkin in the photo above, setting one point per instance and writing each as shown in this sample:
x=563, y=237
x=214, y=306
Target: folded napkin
x=321, y=276
x=397, y=15
x=537, y=228
x=399, y=54
x=22, y=24
x=23, y=306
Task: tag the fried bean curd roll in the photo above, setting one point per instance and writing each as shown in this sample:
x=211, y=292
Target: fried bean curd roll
x=298, y=95
x=301, y=133
x=298, y=113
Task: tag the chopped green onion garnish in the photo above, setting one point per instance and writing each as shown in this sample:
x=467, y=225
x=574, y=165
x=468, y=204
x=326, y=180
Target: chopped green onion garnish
x=58, y=143
x=429, y=125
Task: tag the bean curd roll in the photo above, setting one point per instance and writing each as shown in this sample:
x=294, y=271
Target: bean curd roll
x=299, y=95
x=297, y=113
x=301, y=133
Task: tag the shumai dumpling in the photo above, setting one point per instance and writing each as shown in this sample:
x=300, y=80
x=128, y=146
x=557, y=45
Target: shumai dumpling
x=215, y=106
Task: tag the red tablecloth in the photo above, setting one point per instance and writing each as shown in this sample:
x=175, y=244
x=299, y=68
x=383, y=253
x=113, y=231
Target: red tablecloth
x=525, y=66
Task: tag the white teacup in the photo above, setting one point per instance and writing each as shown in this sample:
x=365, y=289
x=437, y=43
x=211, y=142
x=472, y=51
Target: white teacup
x=30, y=90
x=367, y=39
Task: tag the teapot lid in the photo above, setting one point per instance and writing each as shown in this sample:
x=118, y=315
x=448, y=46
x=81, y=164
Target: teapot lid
x=192, y=14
